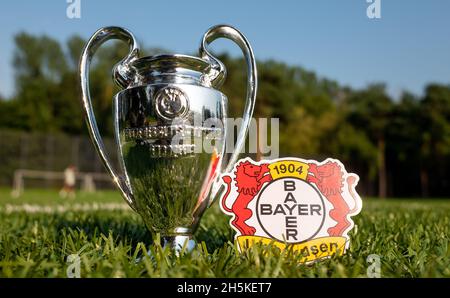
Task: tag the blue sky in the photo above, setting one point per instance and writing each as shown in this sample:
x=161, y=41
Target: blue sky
x=407, y=48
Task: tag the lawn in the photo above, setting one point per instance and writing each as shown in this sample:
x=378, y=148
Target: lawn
x=39, y=230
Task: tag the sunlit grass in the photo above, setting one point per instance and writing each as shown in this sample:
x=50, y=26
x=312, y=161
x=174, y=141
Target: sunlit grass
x=412, y=237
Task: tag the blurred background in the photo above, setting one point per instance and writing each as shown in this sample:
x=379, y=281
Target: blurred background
x=372, y=92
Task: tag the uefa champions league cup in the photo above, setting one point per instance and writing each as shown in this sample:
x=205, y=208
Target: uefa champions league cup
x=162, y=116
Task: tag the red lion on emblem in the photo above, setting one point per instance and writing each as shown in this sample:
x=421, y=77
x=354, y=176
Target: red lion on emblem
x=249, y=181
x=329, y=179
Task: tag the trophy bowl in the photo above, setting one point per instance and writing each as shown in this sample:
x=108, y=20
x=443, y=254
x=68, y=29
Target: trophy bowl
x=170, y=129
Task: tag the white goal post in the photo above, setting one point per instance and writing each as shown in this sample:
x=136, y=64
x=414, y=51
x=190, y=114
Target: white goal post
x=87, y=179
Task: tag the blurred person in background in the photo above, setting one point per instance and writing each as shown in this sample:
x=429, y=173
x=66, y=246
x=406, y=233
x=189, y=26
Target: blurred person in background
x=68, y=189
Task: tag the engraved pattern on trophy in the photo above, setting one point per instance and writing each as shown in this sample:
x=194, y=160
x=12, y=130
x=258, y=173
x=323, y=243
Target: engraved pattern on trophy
x=171, y=102
x=169, y=131
x=188, y=133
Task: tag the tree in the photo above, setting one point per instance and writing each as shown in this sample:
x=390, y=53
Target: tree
x=435, y=137
x=370, y=109
x=39, y=65
x=403, y=138
x=47, y=84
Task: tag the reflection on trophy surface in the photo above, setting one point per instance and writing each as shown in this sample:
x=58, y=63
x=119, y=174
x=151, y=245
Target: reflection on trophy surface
x=170, y=151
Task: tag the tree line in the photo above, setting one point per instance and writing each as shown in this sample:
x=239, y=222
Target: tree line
x=399, y=147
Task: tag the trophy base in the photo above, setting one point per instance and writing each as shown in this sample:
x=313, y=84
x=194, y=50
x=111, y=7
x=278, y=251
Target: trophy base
x=178, y=243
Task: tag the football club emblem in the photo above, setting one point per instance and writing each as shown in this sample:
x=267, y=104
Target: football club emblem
x=292, y=203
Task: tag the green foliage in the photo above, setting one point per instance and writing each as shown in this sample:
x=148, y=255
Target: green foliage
x=410, y=236
x=436, y=119
x=400, y=147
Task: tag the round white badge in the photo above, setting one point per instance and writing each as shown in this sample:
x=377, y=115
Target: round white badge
x=290, y=210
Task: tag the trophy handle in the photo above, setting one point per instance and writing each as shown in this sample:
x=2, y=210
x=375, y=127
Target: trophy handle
x=123, y=76
x=225, y=31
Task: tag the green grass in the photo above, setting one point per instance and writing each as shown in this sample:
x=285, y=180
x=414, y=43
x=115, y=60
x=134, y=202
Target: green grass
x=412, y=237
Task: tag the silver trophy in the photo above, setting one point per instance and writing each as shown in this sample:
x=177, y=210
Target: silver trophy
x=162, y=118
